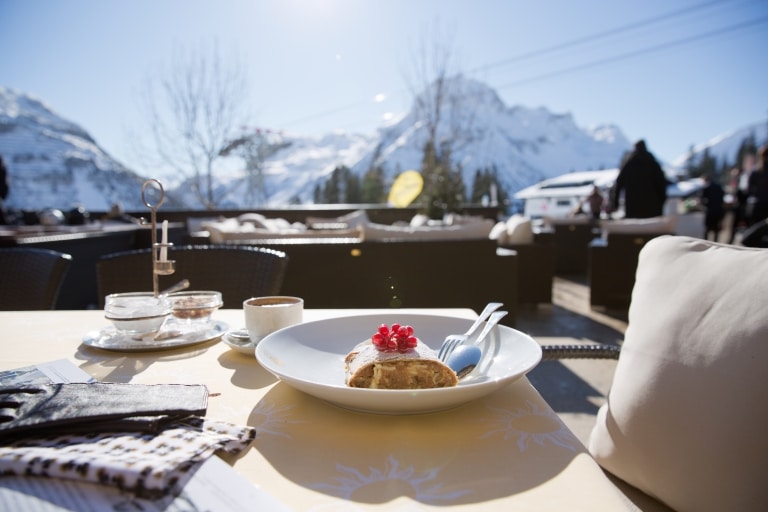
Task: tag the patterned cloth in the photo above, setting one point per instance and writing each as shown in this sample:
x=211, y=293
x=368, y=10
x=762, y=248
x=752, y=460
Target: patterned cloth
x=151, y=466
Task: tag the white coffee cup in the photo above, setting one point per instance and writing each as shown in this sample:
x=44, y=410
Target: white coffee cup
x=265, y=315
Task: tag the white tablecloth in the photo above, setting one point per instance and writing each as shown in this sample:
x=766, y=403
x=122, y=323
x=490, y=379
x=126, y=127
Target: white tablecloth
x=508, y=451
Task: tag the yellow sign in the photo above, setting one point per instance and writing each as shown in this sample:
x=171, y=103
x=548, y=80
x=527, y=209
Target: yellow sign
x=405, y=189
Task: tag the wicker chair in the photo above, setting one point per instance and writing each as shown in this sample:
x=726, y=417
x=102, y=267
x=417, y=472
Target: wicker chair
x=597, y=351
x=238, y=272
x=30, y=278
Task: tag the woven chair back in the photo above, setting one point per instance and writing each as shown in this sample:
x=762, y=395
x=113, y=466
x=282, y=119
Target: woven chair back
x=30, y=278
x=238, y=272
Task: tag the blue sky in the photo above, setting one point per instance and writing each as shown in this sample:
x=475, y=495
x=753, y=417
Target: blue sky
x=674, y=73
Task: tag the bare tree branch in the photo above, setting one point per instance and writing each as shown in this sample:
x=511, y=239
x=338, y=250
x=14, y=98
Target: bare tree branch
x=437, y=99
x=194, y=111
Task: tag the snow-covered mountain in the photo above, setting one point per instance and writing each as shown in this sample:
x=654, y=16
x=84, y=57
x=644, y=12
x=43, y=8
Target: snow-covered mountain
x=294, y=171
x=525, y=145
x=54, y=163
x=726, y=145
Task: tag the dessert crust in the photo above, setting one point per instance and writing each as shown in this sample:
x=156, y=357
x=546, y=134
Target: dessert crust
x=417, y=368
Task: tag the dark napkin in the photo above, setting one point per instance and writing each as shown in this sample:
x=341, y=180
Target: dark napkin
x=96, y=407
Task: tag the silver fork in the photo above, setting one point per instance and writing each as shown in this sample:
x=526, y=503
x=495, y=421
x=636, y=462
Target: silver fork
x=454, y=340
x=465, y=362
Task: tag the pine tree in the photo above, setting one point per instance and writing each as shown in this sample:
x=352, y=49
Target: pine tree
x=342, y=187
x=444, y=190
x=332, y=189
x=373, y=189
x=707, y=165
x=690, y=166
x=748, y=146
x=352, y=188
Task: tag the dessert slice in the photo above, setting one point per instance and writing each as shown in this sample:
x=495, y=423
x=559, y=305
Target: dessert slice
x=395, y=359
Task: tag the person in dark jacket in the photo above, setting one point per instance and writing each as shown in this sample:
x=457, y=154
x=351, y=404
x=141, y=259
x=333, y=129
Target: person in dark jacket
x=757, y=190
x=4, y=189
x=712, y=198
x=643, y=183
x=738, y=191
x=595, y=201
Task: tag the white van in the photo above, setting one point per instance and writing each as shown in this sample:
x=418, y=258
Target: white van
x=560, y=196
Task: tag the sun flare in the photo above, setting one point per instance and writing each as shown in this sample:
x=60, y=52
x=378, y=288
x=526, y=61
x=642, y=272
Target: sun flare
x=273, y=419
x=532, y=424
x=422, y=486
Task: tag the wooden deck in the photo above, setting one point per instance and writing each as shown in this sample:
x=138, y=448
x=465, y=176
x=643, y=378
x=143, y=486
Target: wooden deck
x=574, y=388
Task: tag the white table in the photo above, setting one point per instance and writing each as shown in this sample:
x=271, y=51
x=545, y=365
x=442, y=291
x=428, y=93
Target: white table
x=508, y=451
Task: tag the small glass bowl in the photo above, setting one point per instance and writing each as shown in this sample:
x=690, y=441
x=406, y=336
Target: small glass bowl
x=137, y=312
x=195, y=306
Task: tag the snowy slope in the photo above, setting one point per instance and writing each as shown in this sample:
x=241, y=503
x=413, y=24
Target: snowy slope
x=54, y=163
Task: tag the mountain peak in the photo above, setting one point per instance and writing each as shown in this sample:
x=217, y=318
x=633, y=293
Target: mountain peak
x=53, y=162
x=20, y=108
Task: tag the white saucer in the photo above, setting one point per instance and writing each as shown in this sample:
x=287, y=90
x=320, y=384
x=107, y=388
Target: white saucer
x=248, y=348
x=172, y=335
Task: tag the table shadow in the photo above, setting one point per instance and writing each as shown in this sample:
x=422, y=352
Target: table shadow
x=485, y=455
x=563, y=390
x=114, y=366
x=247, y=373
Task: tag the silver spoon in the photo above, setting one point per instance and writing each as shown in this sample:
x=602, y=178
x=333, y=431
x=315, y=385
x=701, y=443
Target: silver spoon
x=466, y=357
x=181, y=285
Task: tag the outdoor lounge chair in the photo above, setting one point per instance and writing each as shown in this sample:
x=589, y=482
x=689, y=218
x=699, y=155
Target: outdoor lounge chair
x=31, y=278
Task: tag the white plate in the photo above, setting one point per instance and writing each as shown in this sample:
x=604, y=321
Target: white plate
x=188, y=334
x=310, y=357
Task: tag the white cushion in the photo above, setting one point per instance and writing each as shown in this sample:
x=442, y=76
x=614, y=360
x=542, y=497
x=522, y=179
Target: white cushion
x=452, y=219
x=419, y=220
x=217, y=236
x=686, y=416
x=639, y=226
x=256, y=219
x=195, y=224
x=519, y=230
x=279, y=224
x=382, y=232
x=253, y=226
x=216, y=228
x=499, y=233
x=353, y=219
x=566, y=221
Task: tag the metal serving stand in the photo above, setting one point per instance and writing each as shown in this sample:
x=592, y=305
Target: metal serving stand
x=161, y=265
